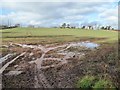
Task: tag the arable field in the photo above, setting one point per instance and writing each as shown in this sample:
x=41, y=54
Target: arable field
x=59, y=58
x=51, y=35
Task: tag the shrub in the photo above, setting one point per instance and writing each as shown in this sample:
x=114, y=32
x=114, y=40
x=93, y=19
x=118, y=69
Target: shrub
x=86, y=82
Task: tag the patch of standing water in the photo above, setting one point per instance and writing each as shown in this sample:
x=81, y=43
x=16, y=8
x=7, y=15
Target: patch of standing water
x=87, y=44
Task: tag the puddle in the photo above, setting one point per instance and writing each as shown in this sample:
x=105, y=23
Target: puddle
x=87, y=44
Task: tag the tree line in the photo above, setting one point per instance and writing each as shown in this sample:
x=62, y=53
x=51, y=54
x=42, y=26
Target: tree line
x=65, y=25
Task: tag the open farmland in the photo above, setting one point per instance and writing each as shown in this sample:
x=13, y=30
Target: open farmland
x=59, y=44
x=39, y=35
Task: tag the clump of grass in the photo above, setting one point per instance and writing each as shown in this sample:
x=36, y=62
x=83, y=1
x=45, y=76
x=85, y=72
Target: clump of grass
x=92, y=82
x=86, y=82
x=103, y=84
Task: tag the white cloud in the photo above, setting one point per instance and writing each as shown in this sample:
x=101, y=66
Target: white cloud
x=76, y=17
x=54, y=13
x=110, y=16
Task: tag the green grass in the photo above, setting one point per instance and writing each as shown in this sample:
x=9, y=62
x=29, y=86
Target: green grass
x=86, y=82
x=52, y=35
x=103, y=84
x=93, y=82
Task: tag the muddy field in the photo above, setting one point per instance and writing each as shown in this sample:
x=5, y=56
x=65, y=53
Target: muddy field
x=57, y=65
x=57, y=58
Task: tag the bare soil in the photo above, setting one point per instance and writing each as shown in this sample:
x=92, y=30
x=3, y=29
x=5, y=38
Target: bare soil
x=56, y=70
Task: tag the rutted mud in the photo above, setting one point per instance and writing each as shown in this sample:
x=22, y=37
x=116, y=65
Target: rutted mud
x=3, y=59
x=43, y=62
x=7, y=64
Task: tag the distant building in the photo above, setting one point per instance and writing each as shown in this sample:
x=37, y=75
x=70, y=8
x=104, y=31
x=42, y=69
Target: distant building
x=3, y=26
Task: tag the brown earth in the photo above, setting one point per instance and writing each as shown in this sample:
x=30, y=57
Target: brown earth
x=102, y=62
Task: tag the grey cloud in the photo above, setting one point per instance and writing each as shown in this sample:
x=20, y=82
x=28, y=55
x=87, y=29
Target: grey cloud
x=45, y=13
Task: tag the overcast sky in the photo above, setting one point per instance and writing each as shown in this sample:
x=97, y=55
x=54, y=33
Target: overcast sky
x=55, y=13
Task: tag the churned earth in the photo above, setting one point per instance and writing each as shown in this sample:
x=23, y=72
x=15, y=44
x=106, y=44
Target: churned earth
x=40, y=58
x=57, y=61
